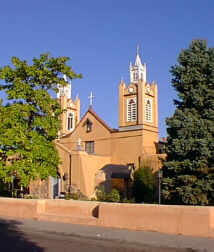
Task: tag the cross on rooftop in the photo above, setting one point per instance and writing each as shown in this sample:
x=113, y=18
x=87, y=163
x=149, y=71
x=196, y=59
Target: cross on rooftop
x=91, y=97
x=138, y=49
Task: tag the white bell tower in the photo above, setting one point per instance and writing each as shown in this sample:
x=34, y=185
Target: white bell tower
x=64, y=91
x=138, y=70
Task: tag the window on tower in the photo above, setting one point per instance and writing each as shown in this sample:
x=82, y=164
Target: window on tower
x=70, y=121
x=148, y=110
x=131, y=110
x=135, y=76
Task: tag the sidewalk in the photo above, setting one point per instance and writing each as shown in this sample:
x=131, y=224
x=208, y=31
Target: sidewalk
x=120, y=235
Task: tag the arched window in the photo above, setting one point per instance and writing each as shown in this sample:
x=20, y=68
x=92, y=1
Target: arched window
x=136, y=76
x=70, y=121
x=131, y=110
x=148, y=110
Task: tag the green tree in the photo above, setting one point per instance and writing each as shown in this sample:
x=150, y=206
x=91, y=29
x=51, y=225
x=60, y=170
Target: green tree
x=189, y=169
x=30, y=121
x=144, y=185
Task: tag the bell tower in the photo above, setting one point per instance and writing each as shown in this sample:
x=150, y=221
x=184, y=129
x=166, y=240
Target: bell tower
x=70, y=116
x=138, y=70
x=138, y=101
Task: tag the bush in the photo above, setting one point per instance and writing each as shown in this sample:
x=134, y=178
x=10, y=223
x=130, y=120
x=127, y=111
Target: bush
x=30, y=196
x=125, y=200
x=75, y=196
x=4, y=189
x=144, y=185
x=113, y=196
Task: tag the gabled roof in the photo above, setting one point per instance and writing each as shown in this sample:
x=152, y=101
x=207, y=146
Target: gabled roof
x=95, y=115
x=91, y=111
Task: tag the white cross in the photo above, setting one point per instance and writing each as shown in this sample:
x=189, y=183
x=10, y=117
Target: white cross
x=91, y=97
x=138, y=48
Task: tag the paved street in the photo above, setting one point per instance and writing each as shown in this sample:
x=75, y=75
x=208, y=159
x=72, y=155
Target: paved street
x=41, y=236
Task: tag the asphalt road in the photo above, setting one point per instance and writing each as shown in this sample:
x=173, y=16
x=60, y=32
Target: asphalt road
x=40, y=236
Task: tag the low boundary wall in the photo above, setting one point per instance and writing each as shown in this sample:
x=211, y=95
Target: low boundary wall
x=185, y=220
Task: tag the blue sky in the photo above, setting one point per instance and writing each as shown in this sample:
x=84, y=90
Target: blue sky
x=100, y=37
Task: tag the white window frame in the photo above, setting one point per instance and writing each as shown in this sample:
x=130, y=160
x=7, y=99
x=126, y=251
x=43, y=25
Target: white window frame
x=131, y=111
x=148, y=110
x=73, y=121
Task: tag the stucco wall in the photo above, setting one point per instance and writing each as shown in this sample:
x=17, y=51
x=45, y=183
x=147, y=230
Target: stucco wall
x=126, y=147
x=184, y=220
x=84, y=167
x=99, y=134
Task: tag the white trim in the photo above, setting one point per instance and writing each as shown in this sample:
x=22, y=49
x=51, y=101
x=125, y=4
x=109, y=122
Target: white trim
x=73, y=121
x=131, y=110
x=148, y=110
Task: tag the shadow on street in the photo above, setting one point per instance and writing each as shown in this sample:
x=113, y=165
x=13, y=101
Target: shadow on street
x=12, y=239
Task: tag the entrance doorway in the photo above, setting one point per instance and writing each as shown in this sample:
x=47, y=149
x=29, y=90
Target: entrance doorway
x=55, y=187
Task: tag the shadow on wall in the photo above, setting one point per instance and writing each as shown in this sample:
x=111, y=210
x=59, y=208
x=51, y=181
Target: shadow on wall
x=13, y=239
x=113, y=171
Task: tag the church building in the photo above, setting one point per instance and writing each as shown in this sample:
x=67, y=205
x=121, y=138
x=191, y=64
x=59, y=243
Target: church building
x=92, y=153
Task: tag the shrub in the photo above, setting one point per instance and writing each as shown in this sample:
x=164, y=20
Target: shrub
x=113, y=196
x=144, y=185
x=75, y=196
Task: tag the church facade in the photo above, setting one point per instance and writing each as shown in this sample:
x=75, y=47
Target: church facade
x=92, y=153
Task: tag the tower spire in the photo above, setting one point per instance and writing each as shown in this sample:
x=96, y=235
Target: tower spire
x=138, y=48
x=138, y=70
x=64, y=90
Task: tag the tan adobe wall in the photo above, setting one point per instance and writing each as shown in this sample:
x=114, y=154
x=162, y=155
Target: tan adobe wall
x=182, y=220
x=84, y=168
x=64, y=166
x=150, y=141
x=99, y=134
x=84, y=209
x=185, y=220
x=20, y=208
x=126, y=147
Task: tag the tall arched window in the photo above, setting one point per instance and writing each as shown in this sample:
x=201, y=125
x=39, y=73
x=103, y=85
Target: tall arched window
x=70, y=121
x=148, y=110
x=131, y=110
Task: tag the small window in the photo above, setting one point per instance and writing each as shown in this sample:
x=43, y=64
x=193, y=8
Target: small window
x=89, y=147
x=136, y=76
x=70, y=121
x=88, y=126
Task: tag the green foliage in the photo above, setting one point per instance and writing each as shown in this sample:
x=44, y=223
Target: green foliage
x=144, y=185
x=29, y=196
x=5, y=189
x=113, y=196
x=189, y=169
x=75, y=196
x=30, y=121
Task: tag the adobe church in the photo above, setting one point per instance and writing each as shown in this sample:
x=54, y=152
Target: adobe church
x=92, y=153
